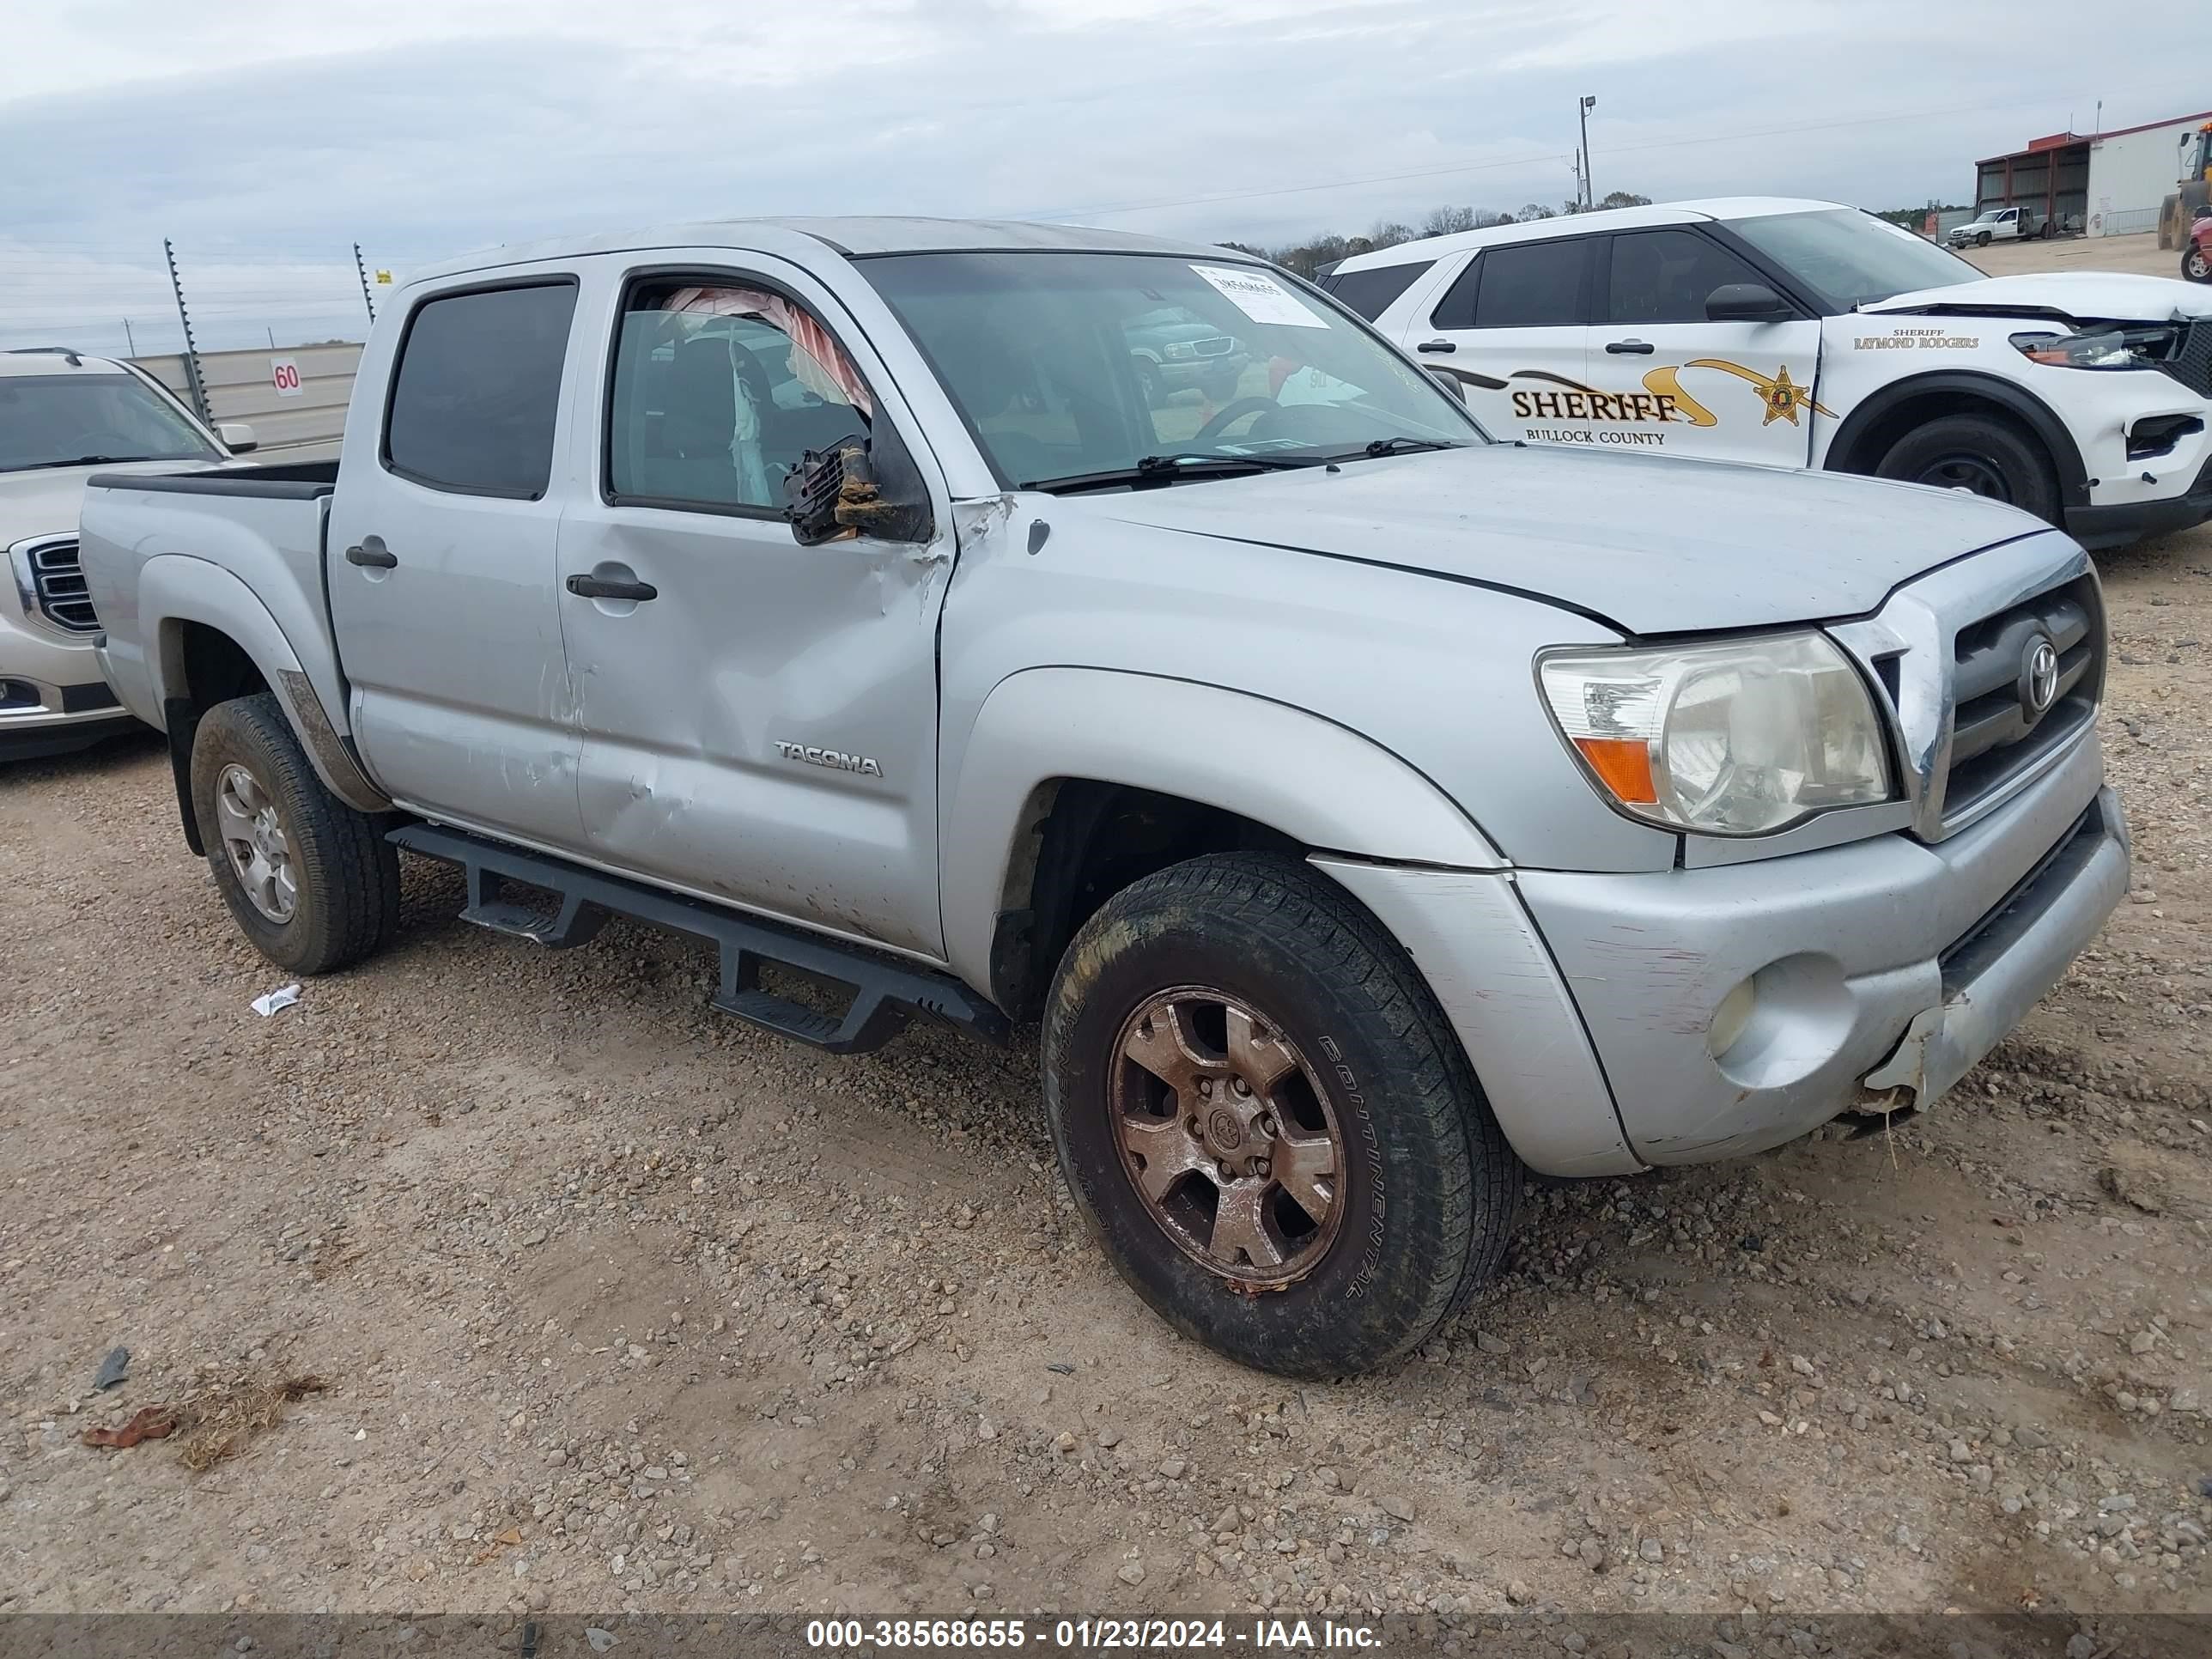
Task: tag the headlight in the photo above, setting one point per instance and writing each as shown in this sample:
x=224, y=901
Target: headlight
x=1181, y=348
x=2109, y=348
x=1741, y=737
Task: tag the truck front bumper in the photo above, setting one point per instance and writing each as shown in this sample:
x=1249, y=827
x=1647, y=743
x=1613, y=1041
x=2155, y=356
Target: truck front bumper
x=1877, y=973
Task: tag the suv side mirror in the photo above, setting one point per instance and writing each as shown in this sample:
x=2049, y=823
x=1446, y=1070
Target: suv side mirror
x=850, y=489
x=1745, y=302
x=237, y=437
x=1449, y=381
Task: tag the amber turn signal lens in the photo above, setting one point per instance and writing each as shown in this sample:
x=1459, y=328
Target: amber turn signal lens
x=1624, y=766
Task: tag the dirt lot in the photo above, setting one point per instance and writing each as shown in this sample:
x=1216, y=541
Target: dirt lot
x=620, y=1304
x=2139, y=254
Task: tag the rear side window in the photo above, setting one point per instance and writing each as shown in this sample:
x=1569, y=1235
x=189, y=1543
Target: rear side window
x=477, y=390
x=1370, y=292
x=1665, y=275
x=1531, y=285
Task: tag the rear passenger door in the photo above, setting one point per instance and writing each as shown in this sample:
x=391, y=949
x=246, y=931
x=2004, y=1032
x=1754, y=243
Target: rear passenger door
x=440, y=561
x=1677, y=384
x=1512, y=328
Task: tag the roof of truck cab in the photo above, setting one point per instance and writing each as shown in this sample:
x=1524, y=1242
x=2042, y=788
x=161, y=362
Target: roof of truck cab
x=1583, y=224
x=856, y=237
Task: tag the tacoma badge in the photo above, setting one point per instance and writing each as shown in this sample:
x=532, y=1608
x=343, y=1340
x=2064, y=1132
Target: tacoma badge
x=834, y=758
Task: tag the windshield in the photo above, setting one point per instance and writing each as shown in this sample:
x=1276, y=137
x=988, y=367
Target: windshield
x=1070, y=366
x=58, y=420
x=1852, y=259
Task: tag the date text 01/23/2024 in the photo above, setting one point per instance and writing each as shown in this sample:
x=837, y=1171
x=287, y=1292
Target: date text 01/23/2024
x=1089, y=1635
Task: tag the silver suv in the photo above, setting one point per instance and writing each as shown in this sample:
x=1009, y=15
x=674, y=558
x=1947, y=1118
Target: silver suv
x=64, y=416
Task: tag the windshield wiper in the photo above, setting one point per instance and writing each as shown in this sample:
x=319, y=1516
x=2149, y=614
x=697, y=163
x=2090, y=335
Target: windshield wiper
x=1154, y=470
x=1403, y=446
x=79, y=460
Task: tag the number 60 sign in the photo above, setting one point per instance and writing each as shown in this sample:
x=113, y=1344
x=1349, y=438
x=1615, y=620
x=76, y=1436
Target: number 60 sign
x=285, y=375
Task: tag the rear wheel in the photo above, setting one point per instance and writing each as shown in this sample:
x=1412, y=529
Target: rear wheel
x=1266, y=1120
x=1983, y=454
x=309, y=880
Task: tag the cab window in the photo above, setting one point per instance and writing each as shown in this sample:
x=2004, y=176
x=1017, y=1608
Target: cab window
x=719, y=389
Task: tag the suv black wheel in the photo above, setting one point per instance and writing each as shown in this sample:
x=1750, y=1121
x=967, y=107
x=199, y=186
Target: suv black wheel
x=1986, y=454
x=1266, y=1120
x=310, y=880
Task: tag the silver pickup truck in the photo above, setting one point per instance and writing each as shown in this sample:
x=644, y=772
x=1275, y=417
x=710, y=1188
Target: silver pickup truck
x=1367, y=811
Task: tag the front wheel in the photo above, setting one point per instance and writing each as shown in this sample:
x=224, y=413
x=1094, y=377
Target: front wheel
x=1982, y=241
x=2196, y=264
x=1982, y=454
x=1267, y=1121
x=308, y=878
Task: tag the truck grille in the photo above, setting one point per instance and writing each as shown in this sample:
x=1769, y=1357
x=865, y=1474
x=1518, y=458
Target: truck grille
x=1214, y=345
x=1997, y=732
x=52, y=583
x=2192, y=363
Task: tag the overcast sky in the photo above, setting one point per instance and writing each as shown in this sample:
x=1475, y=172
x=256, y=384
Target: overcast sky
x=265, y=137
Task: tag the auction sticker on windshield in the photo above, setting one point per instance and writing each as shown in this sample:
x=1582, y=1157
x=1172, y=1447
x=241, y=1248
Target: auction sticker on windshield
x=1260, y=297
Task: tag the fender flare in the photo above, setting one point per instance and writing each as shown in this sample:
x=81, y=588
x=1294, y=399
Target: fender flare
x=1317, y=782
x=2065, y=454
x=175, y=587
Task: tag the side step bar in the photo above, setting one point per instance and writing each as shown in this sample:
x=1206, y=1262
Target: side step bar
x=886, y=992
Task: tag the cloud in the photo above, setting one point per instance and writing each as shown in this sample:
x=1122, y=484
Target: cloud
x=266, y=138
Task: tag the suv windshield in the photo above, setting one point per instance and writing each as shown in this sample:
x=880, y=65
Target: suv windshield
x=1852, y=259
x=64, y=420
x=1083, y=366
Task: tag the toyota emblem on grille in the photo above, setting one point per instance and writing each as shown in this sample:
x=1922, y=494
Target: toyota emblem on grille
x=2039, y=676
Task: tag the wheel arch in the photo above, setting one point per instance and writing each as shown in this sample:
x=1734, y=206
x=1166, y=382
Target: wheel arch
x=1878, y=422
x=1075, y=782
x=211, y=639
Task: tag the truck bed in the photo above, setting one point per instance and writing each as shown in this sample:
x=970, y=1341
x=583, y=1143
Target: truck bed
x=242, y=545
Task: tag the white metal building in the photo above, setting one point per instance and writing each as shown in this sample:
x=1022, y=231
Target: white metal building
x=2112, y=182
x=2133, y=170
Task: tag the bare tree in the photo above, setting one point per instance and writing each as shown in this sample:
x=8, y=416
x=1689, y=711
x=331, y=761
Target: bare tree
x=1533, y=211
x=1448, y=221
x=1622, y=198
x=1388, y=232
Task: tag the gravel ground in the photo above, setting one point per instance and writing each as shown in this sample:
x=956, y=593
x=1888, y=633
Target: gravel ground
x=618, y=1305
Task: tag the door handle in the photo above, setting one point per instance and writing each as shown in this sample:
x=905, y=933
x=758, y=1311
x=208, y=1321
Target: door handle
x=601, y=587
x=1630, y=348
x=1436, y=345
x=373, y=553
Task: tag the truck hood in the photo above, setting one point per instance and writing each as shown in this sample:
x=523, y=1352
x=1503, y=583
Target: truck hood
x=45, y=501
x=2090, y=296
x=1646, y=545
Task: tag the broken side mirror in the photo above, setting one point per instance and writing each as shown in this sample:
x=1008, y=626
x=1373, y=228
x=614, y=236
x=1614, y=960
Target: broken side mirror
x=1449, y=381
x=858, y=486
x=1745, y=302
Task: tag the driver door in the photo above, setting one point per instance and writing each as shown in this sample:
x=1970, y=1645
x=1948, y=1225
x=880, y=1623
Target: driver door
x=758, y=720
x=1679, y=385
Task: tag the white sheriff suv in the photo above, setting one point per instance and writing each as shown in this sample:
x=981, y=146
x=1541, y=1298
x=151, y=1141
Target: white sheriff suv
x=1795, y=333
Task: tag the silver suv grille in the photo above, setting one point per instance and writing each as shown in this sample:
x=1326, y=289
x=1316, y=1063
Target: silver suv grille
x=52, y=583
x=1982, y=707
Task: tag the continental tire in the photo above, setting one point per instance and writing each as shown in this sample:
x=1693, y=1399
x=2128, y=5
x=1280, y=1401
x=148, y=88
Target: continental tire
x=1986, y=454
x=310, y=880
x=1267, y=1121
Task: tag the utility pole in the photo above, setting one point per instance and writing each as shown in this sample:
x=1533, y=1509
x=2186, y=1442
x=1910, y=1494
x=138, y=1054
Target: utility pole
x=129, y=339
x=192, y=382
x=361, y=270
x=1590, y=196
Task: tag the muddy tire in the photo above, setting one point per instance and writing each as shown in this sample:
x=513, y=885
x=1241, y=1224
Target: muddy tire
x=311, y=881
x=1986, y=455
x=1267, y=1121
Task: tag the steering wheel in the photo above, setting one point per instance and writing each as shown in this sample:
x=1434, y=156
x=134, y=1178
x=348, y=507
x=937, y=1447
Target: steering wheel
x=1228, y=417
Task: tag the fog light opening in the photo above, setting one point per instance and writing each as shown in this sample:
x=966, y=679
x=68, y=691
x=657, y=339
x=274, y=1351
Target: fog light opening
x=1731, y=1017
